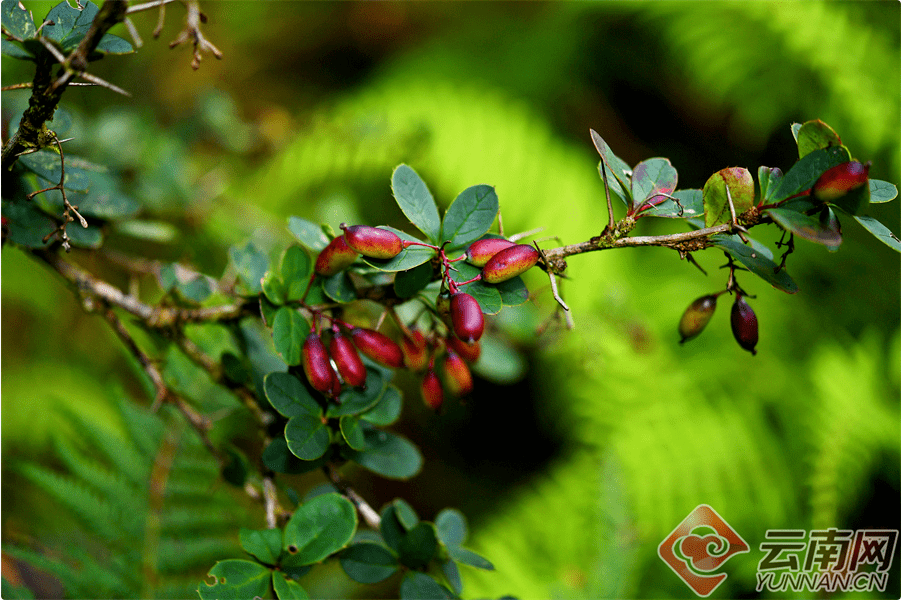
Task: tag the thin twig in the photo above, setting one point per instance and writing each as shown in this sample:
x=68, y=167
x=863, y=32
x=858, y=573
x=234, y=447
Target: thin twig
x=192, y=32
x=367, y=512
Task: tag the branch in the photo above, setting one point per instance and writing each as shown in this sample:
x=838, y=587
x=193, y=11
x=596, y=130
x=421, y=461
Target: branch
x=32, y=131
x=367, y=512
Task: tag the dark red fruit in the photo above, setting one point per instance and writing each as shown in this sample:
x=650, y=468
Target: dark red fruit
x=335, y=257
x=379, y=347
x=432, y=394
x=316, y=364
x=509, y=263
x=372, y=241
x=457, y=375
x=348, y=361
x=696, y=317
x=481, y=251
x=744, y=324
x=466, y=317
x=469, y=352
x=414, y=347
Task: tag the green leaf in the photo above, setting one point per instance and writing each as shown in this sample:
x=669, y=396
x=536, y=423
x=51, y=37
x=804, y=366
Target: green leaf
x=339, y=288
x=92, y=237
x=452, y=573
x=716, y=201
x=407, y=283
x=274, y=288
x=391, y=529
x=451, y=526
x=196, y=290
x=14, y=49
x=307, y=233
x=805, y=226
x=320, y=528
x=263, y=544
x=353, y=401
x=277, y=457
x=419, y=546
x=251, y=265
x=307, y=436
x=27, y=225
x=806, y=171
x=769, y=179
x=287, y=394
x=468, y=557
x=160, y=232
x=267, y=311
x=46, y=165
x=352, y=432
x=64, y=18
x=513, y=291
x=691, y=201
x=469, y=216
x=388, y=455
x=235, y=468
x=416, y=201
x=419, y=586
x=756, y=262
x=652, y=177
x=499, y=362
x=113, y=44
x=405, y=513
x=882, y=191
x=368, y=563
x=289, y=330
x=387, y=410
x=620, y=183
x=17, y=20
x=287, y=589
x=408, y=258
x=882, y=233
x=814, y=135
x=236, y=580
x=487, y=295
x=296, y=269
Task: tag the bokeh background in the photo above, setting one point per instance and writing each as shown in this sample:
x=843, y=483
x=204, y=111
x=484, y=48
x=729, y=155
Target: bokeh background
x=575, y=461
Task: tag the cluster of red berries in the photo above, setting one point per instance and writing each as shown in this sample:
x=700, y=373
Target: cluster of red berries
x=743, y=320
x=448, y=355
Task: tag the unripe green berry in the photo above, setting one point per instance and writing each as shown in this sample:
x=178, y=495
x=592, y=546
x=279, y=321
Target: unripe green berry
x=379, y=347
x=509, y=263
x=316, y=364
x=372, y=241
x=335, y=257
x=481, y=251
x=696, y=317
x=744, y=324
x=466, y=317
x=348, y=361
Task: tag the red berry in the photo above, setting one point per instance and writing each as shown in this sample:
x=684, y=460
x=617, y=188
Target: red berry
x=509, y=263
x=432, y=394
x=744, y=324
x=378, y=347
x=696, y=317
x=469, y=352
x=372, y=241
x=316, y=363
x=481, y=251
x=414, y=347
x=348, y=361
x=466, y=317
x=457, y=375
x=335, y=257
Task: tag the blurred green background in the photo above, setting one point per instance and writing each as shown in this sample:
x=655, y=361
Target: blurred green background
x=573, y=474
